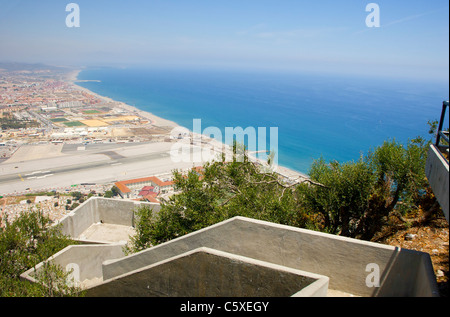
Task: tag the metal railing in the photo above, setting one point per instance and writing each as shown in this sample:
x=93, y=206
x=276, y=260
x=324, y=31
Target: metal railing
x=441, y=134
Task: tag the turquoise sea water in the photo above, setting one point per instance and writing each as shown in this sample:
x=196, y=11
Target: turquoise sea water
x=334, y=117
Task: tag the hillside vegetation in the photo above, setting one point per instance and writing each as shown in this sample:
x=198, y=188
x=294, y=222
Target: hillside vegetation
x=352, y=199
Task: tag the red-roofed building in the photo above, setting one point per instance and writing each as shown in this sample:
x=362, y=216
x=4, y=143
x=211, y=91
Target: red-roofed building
x=146, y=190
x=151, y=197
x=134, y=187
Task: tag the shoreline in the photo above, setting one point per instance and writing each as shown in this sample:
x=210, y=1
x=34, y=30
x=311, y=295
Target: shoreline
x=72, y=78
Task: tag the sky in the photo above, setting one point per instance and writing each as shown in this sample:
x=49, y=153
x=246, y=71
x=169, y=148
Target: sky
x=292, y=35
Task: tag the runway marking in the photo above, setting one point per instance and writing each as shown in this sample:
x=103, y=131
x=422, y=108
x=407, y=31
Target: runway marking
x=37, y=172
x=21, y=178
x=44, y=176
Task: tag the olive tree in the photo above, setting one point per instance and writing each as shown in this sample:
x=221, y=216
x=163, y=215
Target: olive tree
x=358, y=197
x=25, y=242
x=353, y=199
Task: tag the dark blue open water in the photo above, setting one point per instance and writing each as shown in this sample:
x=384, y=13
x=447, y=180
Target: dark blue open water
x=328, y=116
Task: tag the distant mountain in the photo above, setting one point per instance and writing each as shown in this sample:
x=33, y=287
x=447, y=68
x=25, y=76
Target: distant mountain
x=14, y=66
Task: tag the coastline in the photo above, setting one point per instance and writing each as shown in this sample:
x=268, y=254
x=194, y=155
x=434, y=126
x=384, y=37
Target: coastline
x=286, y=172
x=72, y=78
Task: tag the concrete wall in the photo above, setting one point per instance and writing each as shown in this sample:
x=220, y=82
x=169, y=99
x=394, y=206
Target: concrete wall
x=85, y=259
x=205, y=272
x=95, y=209
x=347, y=262
x=342, y=259
x=437, y=172
x=411, y=273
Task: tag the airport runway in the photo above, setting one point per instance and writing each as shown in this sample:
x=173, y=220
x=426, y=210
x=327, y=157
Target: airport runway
x=93, y=163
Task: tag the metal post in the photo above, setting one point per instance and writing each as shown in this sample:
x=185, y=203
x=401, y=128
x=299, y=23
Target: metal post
x=441, y=122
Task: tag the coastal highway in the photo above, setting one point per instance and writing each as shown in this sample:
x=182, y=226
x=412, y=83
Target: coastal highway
x=96, y=163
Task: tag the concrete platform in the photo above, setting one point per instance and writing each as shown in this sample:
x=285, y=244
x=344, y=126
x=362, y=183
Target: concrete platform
x=345, y=261
x=336, y=293
x=107, y=232
x=205, y=272
x=102, y=220
x=273, y=248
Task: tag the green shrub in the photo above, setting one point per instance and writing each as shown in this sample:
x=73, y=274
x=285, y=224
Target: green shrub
x=25, y=242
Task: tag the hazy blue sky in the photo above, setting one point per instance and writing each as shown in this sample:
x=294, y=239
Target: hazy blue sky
x=314, y=35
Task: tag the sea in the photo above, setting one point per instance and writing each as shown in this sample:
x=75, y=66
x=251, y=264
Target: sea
x=316, y=115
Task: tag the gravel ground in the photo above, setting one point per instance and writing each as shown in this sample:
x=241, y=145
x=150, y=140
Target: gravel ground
x=431, y=237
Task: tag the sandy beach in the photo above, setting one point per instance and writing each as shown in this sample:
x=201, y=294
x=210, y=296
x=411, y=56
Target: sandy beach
x=72, y=78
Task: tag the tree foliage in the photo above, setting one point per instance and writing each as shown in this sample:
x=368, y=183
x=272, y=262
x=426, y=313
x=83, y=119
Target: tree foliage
x=360, y=196
x=353, y=199
x=343, y=200
x=220, y=191
x=144, y=229
x=25, y=242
